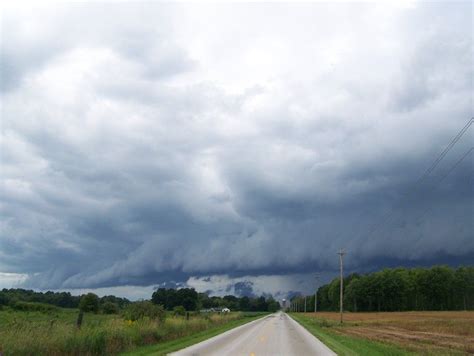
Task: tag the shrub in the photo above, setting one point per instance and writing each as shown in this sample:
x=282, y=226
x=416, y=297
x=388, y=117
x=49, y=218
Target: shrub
x=89, y=303
x=140, y=310
x=30, y=306
x=4, y=299
x=179, y=310
x=110, y=308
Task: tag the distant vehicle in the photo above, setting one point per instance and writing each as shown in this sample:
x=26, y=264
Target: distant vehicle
x=225, y=310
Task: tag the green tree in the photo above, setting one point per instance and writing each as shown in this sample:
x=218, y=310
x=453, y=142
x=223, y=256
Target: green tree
x=438, y=283
x=160, y=297
x=272, y=305
x=352, y=294
x=231, y=302
x=109, y=308
x=244, y=303
x=89, y=303
x=187, y=297
x=333, y=294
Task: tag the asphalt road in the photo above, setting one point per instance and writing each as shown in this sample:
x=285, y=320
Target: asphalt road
x=276, y=334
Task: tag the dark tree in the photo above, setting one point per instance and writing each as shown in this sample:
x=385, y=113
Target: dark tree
x=89, y=303
x=109, y=308
x=401, y=289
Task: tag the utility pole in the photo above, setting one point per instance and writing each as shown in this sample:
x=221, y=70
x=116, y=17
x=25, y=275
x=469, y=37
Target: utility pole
x=316, y=294
x=305, y=304
x=341, y=254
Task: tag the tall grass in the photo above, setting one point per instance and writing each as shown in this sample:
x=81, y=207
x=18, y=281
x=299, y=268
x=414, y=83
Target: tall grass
x=36, y=333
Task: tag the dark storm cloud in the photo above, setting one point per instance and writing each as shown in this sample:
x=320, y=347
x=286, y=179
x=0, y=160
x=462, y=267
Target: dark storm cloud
x=244, y=289
x=151, y=149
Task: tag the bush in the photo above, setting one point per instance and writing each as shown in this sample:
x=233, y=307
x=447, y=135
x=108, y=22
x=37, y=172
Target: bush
x=140, y=310
x=4, y=300
x=30, y=306
x=179, y=310
x=110, y=308
x=89, y=303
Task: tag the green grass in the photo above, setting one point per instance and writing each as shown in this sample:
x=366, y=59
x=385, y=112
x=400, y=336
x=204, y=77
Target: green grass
x=343, y=344
x=178, y=344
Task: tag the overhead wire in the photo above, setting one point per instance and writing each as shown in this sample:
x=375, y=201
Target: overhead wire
x=387, y=217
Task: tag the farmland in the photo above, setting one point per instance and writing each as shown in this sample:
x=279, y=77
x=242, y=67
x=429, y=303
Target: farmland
x=450, y=332
x=54, y=331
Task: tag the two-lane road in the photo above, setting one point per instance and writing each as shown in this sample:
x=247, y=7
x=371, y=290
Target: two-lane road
x=276, y=334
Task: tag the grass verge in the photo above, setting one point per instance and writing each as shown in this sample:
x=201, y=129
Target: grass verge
x=181, y=343
x=343, y=344
x=54, y=332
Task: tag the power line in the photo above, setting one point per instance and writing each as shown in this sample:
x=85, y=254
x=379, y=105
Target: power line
x=453, y=167
x=428, y=171
x=447, y=149
x=456, y=164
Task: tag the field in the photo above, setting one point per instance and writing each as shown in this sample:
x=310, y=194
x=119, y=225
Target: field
x=55, y=332
x=443, y=333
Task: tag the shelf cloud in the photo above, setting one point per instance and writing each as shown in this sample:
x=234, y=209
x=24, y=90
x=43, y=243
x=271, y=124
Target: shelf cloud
x=231, y=145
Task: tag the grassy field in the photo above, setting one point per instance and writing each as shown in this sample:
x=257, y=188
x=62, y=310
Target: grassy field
x=178, y=344
x=396, y=333
x=55, y=332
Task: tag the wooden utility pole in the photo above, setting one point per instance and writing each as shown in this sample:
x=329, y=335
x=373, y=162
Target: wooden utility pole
x=79, y=318
x=341, y=254
x=316, y=294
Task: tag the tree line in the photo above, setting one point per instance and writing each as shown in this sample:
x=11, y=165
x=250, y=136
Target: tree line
x=192, y=300
x=19, y=296
x=187, y=299
x=398, y=289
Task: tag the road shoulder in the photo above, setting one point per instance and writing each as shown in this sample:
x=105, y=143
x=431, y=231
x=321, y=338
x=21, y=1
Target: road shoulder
x=167, y=347
x=311, y=338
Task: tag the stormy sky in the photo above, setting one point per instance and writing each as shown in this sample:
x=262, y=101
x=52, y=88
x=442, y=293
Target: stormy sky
x=233, y=148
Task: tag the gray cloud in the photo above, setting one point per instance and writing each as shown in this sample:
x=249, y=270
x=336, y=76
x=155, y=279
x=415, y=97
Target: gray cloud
x=150, y=148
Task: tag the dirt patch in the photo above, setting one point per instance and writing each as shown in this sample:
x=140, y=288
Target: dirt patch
x=413, y=340
x=423, y=332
